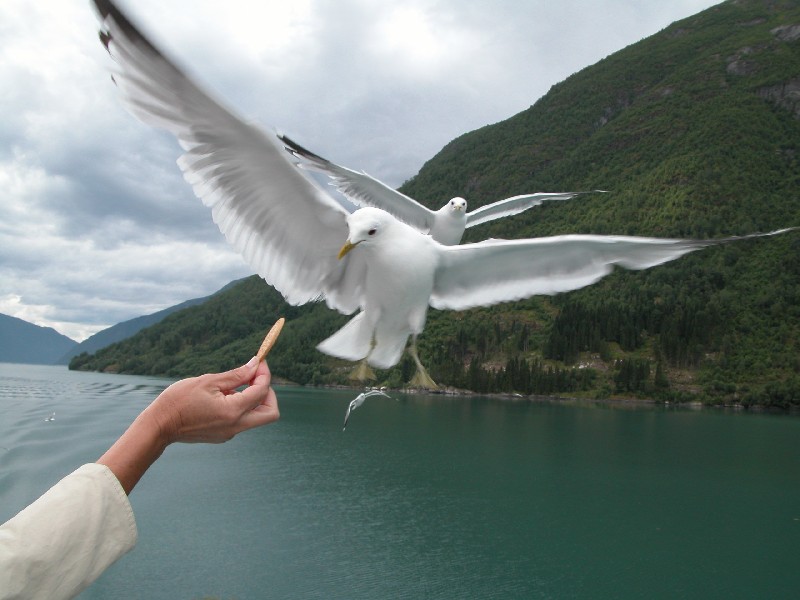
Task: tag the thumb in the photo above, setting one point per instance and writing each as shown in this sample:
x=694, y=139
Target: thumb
x=230, y=380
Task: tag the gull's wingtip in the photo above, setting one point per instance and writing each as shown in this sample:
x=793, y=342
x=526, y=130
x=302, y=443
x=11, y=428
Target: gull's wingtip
x=105, y=38
x=346, y=417
x=103, y=7
x=298, y=150
x=107, y=9
x=784, y=230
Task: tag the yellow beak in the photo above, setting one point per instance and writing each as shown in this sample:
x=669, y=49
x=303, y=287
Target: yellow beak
x=346, y=248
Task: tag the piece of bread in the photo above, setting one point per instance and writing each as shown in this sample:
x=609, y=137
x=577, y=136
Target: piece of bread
x=270, y=339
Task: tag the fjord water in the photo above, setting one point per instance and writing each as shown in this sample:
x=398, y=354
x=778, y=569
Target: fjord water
x=429, y=496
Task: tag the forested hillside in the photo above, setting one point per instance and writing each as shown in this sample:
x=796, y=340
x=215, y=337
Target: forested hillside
x=695, y=132
x=126, y=329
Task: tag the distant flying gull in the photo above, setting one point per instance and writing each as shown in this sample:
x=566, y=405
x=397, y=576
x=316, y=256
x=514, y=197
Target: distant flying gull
x=52, y=417
x=290, y=231
x=358, y=401
x=445, y=225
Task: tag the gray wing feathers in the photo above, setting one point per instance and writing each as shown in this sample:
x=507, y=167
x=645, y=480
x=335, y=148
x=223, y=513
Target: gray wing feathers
x=504, y=270
x=513, y=206
x=363, y=189
x=283, y=224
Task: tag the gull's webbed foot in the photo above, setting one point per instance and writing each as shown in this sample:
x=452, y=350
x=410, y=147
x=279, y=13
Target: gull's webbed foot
x=362, y=372
x=421, y=379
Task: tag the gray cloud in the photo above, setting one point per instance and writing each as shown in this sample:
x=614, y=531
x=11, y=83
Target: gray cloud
x=99, y=225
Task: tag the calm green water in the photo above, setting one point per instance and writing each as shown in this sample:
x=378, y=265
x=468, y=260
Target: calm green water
x=429, y=497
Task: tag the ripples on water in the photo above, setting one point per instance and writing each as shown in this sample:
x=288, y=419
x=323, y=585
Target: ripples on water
x=428, y=496
x=54, y=421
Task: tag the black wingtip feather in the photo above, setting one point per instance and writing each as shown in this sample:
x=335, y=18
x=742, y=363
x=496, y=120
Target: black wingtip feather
x=107, y=9
x=297, y=149
x=105, y=38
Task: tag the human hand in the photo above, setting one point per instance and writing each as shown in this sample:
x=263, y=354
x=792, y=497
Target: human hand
x=200, y=409
x=209, y=409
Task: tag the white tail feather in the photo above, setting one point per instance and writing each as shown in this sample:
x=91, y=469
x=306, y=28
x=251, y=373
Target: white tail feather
x=351, y=342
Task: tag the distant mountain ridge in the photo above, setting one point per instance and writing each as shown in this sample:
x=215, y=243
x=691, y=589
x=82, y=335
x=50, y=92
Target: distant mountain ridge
x=695, y=132
x=126, y=329
x=121, y=331
x=24, y=342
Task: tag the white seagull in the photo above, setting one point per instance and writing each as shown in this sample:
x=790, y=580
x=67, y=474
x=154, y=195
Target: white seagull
x=358, y=401
x=290, y=231
x=445, y=225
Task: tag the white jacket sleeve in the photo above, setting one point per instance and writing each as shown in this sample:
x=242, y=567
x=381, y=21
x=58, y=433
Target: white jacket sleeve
x=62, y=542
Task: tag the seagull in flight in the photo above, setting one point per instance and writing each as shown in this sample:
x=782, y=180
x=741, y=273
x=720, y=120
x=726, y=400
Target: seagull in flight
x=358, y=401
x=304, y=243
x=445, y=225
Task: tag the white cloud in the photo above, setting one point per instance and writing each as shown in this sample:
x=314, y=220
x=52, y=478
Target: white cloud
x=98, y=226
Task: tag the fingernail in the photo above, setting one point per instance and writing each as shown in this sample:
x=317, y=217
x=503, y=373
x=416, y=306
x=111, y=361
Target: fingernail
x=252, y=362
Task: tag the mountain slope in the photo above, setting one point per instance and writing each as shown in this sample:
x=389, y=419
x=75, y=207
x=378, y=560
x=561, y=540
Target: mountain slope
x=695, y=131
x=126, y=329
x=222, y=333
x=23, y=342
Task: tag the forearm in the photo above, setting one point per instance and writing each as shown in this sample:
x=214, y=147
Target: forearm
x=198, y=409
x=135, y=451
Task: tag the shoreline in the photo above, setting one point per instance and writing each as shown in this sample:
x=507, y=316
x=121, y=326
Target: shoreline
x=629, y=403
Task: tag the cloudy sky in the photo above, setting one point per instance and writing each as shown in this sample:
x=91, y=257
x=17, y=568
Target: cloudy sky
x=97, y=223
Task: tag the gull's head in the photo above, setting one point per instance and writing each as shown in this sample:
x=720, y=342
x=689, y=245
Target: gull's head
x=457, y=205
x=366, y=226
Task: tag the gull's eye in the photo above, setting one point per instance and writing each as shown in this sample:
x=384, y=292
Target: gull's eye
x=372, y=231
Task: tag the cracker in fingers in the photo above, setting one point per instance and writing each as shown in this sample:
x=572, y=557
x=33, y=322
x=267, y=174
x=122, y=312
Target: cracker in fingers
x=270, y=339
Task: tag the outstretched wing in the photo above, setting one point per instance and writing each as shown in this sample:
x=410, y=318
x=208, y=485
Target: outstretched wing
x=504, y=270
x=513, y=206
x=286, y=227
x=363, y=189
